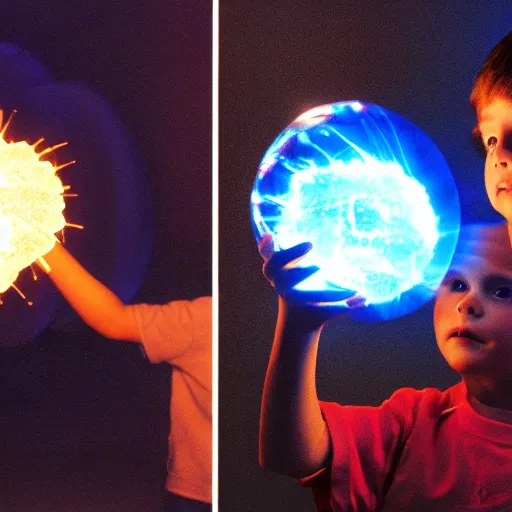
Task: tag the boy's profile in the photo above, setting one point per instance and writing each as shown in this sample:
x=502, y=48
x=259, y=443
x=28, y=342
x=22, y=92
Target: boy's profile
x=491, y=98
x=421, y=450
x=178, y=333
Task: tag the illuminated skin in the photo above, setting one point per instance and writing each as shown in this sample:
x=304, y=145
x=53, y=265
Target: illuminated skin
x=473, y=315
x=95, y=303
x=495, y=126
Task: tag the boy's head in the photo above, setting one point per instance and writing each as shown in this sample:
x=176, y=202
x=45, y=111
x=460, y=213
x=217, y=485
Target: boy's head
x=473, y=309
x=491, y=98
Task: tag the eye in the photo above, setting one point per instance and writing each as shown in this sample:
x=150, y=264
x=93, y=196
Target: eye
x=491, y=143
x=456, y=285
x=504, y=292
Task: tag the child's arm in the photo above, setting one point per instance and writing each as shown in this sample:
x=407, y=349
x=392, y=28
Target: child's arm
x=98, y=306
x=293, y=436
x=294, y=439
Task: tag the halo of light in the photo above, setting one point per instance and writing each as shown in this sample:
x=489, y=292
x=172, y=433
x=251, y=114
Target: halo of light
x=31, y=206
x=374, y=196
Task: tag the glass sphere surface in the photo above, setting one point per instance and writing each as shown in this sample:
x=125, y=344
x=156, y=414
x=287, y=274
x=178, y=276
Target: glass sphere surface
x=374, y=196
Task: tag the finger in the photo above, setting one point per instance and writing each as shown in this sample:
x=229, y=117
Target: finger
x=285, y=280
x=322, y=297
x=289, y=257
x=266, y=247
x=356, y=301
x=350, y=304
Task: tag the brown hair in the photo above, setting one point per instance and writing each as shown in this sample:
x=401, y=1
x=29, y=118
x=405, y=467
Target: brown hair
x=495, y=76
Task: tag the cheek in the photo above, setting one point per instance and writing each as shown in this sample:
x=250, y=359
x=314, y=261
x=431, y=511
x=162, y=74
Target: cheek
x=490, y=179
x=445, y=313
x=440, y=313
x=500, y=320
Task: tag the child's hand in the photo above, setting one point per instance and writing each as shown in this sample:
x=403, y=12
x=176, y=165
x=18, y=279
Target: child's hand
x=281, y=270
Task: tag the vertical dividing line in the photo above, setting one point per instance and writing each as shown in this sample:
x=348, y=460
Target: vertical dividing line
x=215, y=255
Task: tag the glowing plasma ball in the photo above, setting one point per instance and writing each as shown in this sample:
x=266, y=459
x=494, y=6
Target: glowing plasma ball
x=31, y=206
x=374, y=196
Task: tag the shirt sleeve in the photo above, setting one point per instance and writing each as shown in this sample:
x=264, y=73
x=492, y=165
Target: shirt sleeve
x=366, y=446
x=169, y=331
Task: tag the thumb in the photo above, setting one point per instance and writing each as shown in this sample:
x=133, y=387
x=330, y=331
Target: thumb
x=266, y=247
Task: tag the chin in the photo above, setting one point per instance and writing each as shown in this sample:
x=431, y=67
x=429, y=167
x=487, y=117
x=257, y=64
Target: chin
x=463, y=368
x=504, y=208
x=466, y=363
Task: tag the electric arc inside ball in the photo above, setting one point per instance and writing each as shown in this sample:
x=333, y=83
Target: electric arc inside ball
x=374, y=196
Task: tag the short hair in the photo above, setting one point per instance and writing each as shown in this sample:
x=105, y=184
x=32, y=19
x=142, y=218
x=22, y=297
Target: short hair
x=495, y=76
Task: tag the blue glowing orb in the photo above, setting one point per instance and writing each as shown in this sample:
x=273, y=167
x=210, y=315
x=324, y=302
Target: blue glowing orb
x=374, y=196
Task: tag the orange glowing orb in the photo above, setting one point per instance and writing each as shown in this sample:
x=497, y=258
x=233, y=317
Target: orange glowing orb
x=31, y=205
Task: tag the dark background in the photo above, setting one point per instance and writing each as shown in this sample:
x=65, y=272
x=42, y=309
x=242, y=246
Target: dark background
x=277, y=60
x=84, y=421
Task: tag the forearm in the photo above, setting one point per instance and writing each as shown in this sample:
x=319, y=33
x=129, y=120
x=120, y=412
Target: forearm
x=294, y=439
x=95, y=303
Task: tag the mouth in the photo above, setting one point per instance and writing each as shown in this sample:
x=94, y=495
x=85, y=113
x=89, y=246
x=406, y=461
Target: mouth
x=504, y=186
x=465, y=333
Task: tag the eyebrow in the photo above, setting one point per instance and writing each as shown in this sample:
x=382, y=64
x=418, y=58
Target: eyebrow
x=453, y=272
x=484, y=119
x=498, y=277
x=458, y=272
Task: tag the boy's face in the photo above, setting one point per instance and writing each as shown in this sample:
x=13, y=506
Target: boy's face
x=473, y=310
x=495, y=126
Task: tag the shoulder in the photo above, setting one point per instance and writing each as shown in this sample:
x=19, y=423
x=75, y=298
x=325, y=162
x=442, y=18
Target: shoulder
x=184, y=310
x=431, y=401
x=178, y=328
x=198, y=305
x=193, y=316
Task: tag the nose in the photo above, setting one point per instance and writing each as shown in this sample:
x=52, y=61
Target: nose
x=503, y=154
x=503, y=163
x=470, y=306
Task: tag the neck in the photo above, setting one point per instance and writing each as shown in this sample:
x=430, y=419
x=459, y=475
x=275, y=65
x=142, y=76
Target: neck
x=490, y=393
x=509, y=228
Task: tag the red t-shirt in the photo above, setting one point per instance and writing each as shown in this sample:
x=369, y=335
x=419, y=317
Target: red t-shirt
x=419, y=451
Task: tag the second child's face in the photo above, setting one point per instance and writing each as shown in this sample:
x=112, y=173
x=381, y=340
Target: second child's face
x=495, y=126
x=473, y=312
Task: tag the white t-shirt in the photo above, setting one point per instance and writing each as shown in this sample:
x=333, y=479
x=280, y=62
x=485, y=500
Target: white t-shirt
x=180, y=333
